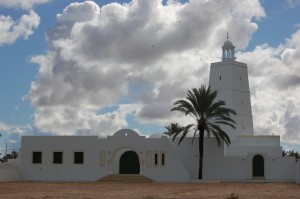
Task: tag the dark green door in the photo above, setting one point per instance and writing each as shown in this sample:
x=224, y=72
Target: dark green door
x=129, y=163
x=258, y=166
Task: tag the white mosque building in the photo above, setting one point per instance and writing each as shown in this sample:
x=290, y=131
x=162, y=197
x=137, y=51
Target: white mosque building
x=90, y=158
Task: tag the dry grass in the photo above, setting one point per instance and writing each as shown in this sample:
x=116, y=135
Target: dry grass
x=46, y=190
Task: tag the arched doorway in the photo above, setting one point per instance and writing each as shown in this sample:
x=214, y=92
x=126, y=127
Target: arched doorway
x=258, y=166
x=129, y=163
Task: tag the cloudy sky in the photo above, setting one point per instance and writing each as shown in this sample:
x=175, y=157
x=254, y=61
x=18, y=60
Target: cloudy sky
x=94, y=67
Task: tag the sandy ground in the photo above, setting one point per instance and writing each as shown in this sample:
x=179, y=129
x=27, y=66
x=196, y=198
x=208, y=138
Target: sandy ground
x=34, y=190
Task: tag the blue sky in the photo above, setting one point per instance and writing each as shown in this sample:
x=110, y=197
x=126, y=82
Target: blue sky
x=139, y=80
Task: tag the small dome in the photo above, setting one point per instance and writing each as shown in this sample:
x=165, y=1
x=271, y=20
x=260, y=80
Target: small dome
x=227, y=43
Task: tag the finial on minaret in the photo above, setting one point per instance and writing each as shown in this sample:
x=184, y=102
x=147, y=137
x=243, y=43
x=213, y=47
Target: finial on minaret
x=227, y=36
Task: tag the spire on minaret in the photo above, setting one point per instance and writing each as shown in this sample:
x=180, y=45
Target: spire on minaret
x=228, y=50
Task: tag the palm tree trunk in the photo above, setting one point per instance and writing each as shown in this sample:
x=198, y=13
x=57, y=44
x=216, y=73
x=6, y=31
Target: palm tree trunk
x=201, y=143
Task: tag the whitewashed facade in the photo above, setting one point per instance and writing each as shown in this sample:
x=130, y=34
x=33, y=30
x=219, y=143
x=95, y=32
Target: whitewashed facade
x=102, y=156
x=90, y=158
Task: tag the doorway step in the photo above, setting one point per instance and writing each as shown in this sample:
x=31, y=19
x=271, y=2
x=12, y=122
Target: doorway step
x=135, y=178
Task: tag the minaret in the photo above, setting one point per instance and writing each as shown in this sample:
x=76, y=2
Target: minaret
x=230, y=79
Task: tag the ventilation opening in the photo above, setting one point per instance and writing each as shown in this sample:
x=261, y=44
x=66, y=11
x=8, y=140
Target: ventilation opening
x=162, y=162
x=155, y=159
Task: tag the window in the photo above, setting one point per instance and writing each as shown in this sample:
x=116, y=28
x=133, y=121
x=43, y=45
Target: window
x=36, y=157
x=220, y=78
x=162, y=159
x=78, y=157
x=155, y=159
x=57, y=157
x=240, y=78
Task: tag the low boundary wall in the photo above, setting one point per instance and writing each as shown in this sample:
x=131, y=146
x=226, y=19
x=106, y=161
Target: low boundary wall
x=297, y=172
x=10, y=173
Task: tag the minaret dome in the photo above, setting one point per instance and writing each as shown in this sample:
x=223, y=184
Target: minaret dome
x=228, y=50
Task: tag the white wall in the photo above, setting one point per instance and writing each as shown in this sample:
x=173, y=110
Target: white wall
x=68, y=171
x=174, y=169
x=232, y=168
x=10, y=173
x=91, y=170
x=215, y=165
x=188, y=152
x=281, y=169
x=255, y=144
x=257, y=140
x=297, y=172
x=239, y=151
x=181, y=162
x=213, y=157
x=119, y=143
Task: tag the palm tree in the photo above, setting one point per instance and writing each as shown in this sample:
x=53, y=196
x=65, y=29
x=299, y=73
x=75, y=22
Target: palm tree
x=209, y=115
x=173, y=128
x=15, y=154
x=291, y=153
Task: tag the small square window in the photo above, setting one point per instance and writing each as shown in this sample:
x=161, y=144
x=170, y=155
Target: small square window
x=36, y=157
x=57, y=157
x=78, y=157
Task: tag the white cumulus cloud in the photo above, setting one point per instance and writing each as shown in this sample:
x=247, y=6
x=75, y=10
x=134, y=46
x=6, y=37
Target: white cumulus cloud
x=11, y=30
x=24, y=4
x=3, y=127
x=292, y=3
x=139, y=57
x=275, y=88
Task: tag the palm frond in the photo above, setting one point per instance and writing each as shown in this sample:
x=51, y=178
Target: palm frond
x=225, y=123
x=185, y=132
x=218, y=132
x=175, y=135
x=185, y=106
x=173, y=128
x=195, y=132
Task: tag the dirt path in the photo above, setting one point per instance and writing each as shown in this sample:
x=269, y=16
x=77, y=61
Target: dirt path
x=34, y=190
